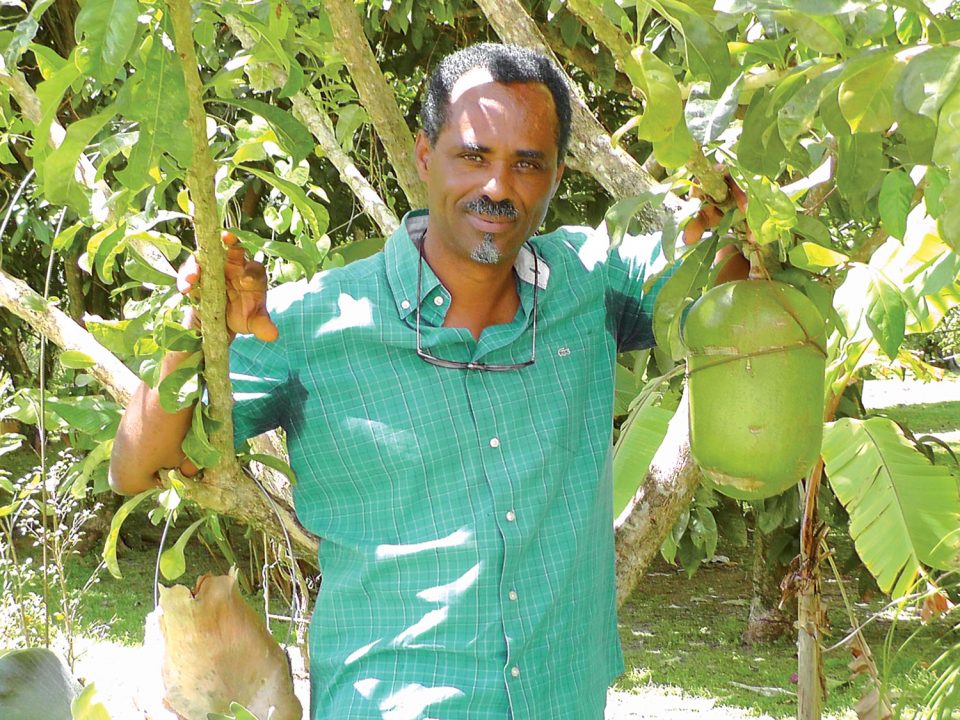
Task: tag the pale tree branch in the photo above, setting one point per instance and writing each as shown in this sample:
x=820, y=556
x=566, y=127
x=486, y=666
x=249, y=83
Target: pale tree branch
x=376, y=96
x=320, y=127
x=711, y=178
x=666, y=491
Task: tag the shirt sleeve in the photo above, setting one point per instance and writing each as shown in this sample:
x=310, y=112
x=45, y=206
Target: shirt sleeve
x=260, y=377
x=636, y=270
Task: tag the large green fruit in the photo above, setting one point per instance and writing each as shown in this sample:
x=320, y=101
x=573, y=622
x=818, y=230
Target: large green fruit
x=755, y=373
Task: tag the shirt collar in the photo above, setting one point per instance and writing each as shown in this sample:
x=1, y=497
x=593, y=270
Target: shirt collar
x=402, y=256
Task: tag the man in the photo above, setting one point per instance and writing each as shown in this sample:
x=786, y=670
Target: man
x=448, y=408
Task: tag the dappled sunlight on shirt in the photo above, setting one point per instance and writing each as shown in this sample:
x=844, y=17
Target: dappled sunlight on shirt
x=353, y=313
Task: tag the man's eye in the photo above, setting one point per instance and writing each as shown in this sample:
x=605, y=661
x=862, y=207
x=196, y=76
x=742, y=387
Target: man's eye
x=471, y=157
x=528, y=165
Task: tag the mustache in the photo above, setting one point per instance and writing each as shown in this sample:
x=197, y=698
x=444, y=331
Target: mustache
x=485, y=206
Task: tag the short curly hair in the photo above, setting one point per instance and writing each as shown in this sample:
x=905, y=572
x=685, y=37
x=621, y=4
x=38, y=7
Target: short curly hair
x=506, y=64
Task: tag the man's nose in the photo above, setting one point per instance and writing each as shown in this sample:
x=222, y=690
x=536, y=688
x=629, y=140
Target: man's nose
x=497, y=186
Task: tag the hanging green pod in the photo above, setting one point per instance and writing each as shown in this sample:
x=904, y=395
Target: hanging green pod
x=755, y=373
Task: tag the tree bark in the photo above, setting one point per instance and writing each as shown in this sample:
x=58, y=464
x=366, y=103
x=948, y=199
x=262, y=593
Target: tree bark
x=711, y=180
x=767, y=622
x=376, y=96
x=668, y=488
x=590, y=145
x=811, y=619
x=211, y=253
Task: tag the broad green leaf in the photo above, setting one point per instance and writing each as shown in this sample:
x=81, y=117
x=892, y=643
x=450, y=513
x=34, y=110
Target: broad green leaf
x=92, y=415
x=107, y=30
x=291, y=134
x=705, y=47
x=356, y=250
x=896, y=198
x=181, y=387
x=707, y=119
x=676, y=148
x=80, y=474
x=639, y=439
x=928, y=80
x=59, y=185
x=36, y=684
x=64, y=240
x=50, y=93
x=111, y=334
x=313, y=213
x=622, y=212
x=24, y=32
x=810, y=256
x=886, y=314
x=349, y=119
x=859, y=167
x=771, y=214
x=110, y=547
x=172, y=561
x=142, y=271
x=86, y=706
x=76, y=360
x=291, y=253
x=174, y=337
x=196, y=445
x=760, y=149
x=946, y=148
x=866, y=96
x=904, y=511
x=156, y=99
x=655, y=80
x=823, y=33
x=683, y=287
x=949, y=221
x=703, y=530
x=275, y=463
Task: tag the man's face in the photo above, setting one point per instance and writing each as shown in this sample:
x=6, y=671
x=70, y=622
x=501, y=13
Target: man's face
x=494, y=168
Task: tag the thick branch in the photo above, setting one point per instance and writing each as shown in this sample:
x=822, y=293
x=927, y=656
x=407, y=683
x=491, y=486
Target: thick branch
x=54, y=324
x=666, y=491
x=590, y=145
x=319, y=125
x=210, y=250
x=376, y=96
x=711, y=179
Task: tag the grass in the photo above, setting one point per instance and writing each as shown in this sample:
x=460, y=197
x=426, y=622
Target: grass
x=685, y=633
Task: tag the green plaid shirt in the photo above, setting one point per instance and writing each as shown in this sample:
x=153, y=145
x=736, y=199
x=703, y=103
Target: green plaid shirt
x=467, y=554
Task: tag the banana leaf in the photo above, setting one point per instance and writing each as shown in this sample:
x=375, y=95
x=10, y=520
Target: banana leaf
x=904, y=511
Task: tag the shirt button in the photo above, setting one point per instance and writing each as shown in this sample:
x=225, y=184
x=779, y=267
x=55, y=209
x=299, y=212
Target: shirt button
x=512, y=595
x=494, y=442
x=438, y=300
x=515, y=671
x=511, y=516
x=405, y=304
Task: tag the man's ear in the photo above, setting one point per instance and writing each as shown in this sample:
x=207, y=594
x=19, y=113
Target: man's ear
x=421, y=154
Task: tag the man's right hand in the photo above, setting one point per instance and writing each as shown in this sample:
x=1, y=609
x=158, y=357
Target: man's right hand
x=246, y=291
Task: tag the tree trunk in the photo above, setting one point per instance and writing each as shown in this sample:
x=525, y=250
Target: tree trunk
x=666, y=491
x=377, y=96
x=811, y=685
x=76, y=304
x=767, y=622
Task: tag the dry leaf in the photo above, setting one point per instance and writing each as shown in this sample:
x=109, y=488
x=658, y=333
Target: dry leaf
x=871, y=707
x=934, y=605
x=217, y=650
